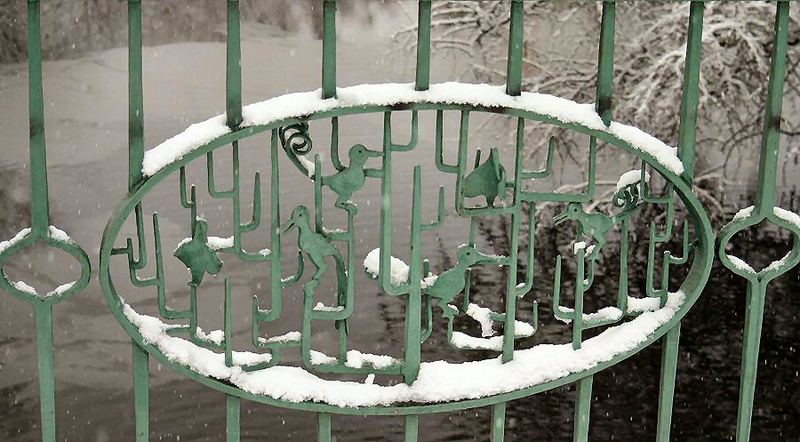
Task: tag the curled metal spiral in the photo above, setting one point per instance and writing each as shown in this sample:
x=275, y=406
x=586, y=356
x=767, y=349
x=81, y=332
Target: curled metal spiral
x=295, y=138
x=629, y=198
x=629, y=195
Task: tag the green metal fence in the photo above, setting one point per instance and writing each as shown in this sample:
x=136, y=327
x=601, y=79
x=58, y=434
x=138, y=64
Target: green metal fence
x=485, y=189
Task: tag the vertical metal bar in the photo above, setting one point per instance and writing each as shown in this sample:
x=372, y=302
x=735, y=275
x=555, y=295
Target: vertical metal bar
x=754, y=318
x=233, y=71
x=622, y=293
x=515, y=36
x=583, y=408
x=687, y=132
x=135, y=99
x=509, y=324
x=669, y=365
x=423, y=46
x=227, y=324
x=47, y=378
x=233, y=414
x=768, y=166
x=498, y=422
x=141, y=392
x=411, y=428
x=764, y=205
x=324, y=427
x=40, y=205
x=577, y=321
x=605, y=61
x=413, y=322
x=329, y=49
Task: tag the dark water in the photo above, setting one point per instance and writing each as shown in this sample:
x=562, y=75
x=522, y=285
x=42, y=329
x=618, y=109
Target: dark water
x=87, y=140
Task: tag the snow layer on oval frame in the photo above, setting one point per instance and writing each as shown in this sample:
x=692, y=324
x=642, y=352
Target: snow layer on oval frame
x=438, y=381
x=301, y=104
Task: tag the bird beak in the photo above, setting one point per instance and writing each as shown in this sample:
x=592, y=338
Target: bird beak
x=287, y=225
x=372, y=153
x=560, y=218
x=485, y=258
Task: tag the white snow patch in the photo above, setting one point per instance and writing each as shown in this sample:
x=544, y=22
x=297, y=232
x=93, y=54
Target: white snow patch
x=398, y=269
x=311, y=168
x=631, y=177
x=217, y=243
x=214, y=336
x=184, y=352
x=739, y=264
x=604, y=314
x=59, y=234
x=640, y=305
x=320, y=358
x=4, y=245
x=745, y=213
x=437, y=381
x=301, y=104
x=61, y=289
x=788, y=216
x=24, y=287
x=292, y=336
x=357, y=359
x=320, y=307
x=483, y=316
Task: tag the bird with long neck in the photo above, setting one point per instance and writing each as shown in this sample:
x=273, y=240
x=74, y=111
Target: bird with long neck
x=316, y=246
x=352, y=178
x=452, y=281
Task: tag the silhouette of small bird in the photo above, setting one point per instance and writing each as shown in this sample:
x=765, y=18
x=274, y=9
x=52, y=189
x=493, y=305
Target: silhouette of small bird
x=316, y=246
x=451, y=282
x=351, y=179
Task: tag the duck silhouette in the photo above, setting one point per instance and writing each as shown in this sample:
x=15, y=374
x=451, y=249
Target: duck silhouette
x=352, y=178
x=316, y=246
x=451, y=282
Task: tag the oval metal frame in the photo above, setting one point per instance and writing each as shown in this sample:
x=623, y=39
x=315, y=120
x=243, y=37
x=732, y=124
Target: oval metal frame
x=692, y=286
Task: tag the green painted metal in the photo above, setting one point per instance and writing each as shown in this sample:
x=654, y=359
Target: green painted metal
x=515, y=35
x=329, y=49
x=41, y=232
x=197, y=255
x=583, y=408
x=488, y=189
x=141, y=392
x=135, y=95
x=764, y=209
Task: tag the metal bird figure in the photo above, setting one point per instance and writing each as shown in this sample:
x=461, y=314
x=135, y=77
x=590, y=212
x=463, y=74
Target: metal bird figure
x=451, y=282
x=487, y=180
x=316, y=246
x=197, y=255
x=351, y=179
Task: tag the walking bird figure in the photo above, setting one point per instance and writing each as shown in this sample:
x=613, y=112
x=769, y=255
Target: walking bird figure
x=451, y=282
x=316, y=246
x=596, y=225
x=351, y=179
